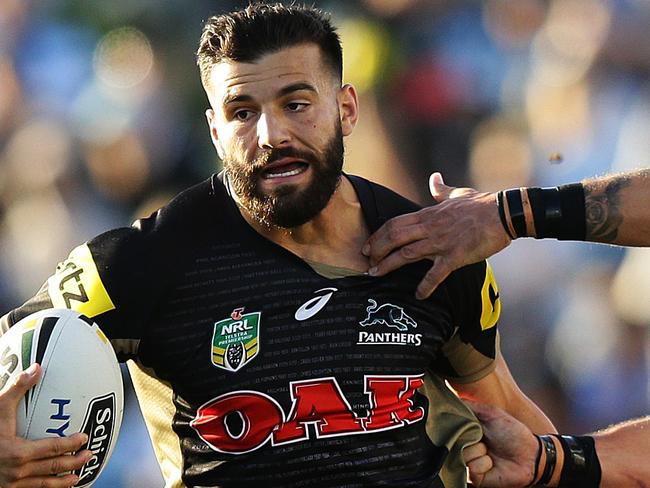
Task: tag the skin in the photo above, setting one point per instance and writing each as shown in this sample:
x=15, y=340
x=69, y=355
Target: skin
x=285, y=99
x=506, y=457
x=465, y=227
x=462, y=229
x=25, y=463
x=617, y=208
x=252, y=112
x=254, y=109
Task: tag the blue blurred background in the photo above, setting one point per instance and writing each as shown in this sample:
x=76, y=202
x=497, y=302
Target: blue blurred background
x=101, y=121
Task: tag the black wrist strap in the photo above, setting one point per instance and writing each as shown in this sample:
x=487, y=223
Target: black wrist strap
x=559, y=212
x=502, y=214
x=551, y=459
x=581, y=467
x=516, y=210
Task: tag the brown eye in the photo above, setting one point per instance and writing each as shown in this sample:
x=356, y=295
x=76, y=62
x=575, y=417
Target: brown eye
x=242, y=114
x=296, y=106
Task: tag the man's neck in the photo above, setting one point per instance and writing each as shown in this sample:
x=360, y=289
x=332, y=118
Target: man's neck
x=334, y=237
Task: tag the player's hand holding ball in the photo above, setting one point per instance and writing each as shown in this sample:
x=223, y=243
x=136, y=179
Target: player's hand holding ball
x=61, y=401
x=30, y=463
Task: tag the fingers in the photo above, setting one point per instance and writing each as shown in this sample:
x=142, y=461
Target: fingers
x=10, y=397
x=395, y=233
x=478, y=462
x=47, y=482
x=436, y=275
x=56, y=446
x=57, y=465
x=480, y=466
x=23, y=382
x=409, y=253
x=473, y=452
x=439, y=191
x=38, y=463
x=45, y=468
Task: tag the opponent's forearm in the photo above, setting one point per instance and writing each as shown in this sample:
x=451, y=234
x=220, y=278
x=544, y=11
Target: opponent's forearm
x=622, y=451
x=611, y=209
x=617, y=208
x=499, y=389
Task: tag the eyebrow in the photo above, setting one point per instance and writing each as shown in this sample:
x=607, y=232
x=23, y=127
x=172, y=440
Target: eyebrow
x=228, y=99
x=296, y=87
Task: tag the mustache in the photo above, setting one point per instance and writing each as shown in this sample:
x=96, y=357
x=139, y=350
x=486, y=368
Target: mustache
x=273, y=155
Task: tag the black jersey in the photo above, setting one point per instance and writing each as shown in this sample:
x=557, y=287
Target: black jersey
x=255, y=368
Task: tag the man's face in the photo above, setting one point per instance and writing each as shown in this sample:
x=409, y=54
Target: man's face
x=277, y=125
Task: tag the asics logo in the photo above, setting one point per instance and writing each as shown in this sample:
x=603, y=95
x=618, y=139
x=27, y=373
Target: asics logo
x=315, y=305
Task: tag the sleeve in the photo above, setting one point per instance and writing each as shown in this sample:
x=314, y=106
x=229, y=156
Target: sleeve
x=474, y=300
x=109, y=280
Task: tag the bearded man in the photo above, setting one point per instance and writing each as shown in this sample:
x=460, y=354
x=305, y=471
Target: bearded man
x=262, y=351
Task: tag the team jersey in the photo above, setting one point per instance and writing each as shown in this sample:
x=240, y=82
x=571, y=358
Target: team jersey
x=255, y=368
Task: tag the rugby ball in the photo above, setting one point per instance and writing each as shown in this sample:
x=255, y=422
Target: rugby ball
x=80, y=389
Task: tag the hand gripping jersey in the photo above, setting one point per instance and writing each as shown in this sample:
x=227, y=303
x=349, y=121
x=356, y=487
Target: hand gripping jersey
x=255, y=368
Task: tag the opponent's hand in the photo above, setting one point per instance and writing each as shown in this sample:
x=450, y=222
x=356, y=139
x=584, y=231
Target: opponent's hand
x=462, y=229
x=25, y=463
x=506, y=456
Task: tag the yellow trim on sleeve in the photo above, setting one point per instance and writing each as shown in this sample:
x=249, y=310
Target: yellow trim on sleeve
x=77, y=285
x=490, y=301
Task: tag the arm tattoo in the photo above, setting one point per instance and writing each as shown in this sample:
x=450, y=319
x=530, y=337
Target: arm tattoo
x=602, y=210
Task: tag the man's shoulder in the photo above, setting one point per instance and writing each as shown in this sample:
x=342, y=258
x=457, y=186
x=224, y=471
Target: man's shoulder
x=192, y=213
x=379, y=202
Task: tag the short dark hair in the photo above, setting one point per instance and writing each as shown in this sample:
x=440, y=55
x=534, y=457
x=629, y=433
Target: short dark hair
x=260, y=29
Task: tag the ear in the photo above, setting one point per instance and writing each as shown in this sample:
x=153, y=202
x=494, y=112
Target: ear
x=348, y=101
x=214, y=135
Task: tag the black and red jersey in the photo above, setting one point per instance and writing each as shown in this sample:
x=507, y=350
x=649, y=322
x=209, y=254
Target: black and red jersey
x=256, y=368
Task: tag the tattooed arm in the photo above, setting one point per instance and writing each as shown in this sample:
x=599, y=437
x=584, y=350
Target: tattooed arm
x=464, y=227
x=618, y=208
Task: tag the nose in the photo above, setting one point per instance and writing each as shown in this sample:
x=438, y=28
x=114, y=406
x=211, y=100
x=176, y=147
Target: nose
x=271, y=132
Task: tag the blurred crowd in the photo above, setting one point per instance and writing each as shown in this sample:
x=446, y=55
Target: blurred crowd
x=101, y=122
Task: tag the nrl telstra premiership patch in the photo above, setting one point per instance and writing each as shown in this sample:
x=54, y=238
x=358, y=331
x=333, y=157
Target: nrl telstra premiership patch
x=235, y=341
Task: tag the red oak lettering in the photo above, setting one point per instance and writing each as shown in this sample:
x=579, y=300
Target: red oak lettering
x=391, y=403
x=322, y=402
x=319, y=401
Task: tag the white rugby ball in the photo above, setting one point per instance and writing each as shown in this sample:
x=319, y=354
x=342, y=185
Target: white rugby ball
x=80, y=389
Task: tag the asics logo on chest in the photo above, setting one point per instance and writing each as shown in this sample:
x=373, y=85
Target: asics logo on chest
x=315, y=305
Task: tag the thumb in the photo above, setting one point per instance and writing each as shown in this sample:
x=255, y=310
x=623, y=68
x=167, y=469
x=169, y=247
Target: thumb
x=11, y=395
x=439, y=191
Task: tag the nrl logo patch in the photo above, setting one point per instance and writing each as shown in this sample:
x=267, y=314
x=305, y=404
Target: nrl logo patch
x=391, y=316
x=235, y=341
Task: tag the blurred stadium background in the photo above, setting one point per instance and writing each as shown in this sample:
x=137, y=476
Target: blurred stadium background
x=101, y=121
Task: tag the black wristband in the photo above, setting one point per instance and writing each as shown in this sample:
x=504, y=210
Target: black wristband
x=581, y=467
x=559, y=212
x=551, y=459
x=516, y=211
x=502, y=214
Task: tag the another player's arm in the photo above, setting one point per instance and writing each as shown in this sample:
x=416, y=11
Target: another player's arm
x=499, y=388
x=467, y=226
x=508, y=454
x=623, y=459
x=470, y=359
x=617, y=208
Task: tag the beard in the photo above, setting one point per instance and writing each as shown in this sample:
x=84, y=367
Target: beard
x=287, y=206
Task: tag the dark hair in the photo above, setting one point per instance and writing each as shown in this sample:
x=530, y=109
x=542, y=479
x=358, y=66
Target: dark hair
x=260, y=29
